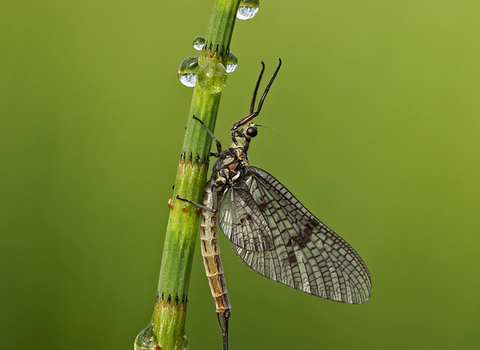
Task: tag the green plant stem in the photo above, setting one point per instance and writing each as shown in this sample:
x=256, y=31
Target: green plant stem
x=171, y=305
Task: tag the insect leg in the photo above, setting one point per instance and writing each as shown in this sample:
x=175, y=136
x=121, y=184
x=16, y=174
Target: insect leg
x=253, y=114
x=219, y=145
x=214, y=210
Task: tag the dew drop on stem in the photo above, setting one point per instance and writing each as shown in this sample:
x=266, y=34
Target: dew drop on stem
x=232, y=62
x=248, y=9
x=198, y=43
x=187, y=71
x=146, y=339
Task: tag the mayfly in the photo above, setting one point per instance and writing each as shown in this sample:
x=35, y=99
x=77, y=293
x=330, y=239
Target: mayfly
x=270, y=230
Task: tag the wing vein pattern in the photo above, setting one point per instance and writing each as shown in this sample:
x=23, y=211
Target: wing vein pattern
x=289, y=244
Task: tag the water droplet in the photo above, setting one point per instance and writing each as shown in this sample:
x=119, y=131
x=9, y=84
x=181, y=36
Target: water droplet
x=212, y=77
x=248, y=9
x=146, y=340
x=232, y=62
x=183, y=344
x=187, y=71
x=198, y=43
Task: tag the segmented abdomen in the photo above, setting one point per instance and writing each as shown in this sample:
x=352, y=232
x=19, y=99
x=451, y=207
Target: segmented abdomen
x=211, y=255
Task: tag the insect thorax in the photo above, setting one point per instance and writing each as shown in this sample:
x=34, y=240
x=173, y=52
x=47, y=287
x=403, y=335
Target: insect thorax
x=229, y=166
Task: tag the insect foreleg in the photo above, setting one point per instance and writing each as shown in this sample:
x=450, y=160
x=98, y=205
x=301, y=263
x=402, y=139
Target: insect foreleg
x=219, y=145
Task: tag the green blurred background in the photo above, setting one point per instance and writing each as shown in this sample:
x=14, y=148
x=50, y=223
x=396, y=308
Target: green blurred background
x=376, y=122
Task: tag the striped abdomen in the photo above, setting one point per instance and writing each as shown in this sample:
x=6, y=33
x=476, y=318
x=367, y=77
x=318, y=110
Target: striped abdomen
x=211, y=255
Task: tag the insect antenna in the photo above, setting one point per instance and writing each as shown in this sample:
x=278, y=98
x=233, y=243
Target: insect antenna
x=267, y=88
x=253, y=113
x=252, y=106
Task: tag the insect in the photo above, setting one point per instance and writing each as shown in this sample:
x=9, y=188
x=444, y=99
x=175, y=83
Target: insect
x=270, y=230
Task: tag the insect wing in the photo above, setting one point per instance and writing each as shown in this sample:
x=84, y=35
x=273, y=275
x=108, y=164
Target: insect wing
x=241, y=221
x=306, y=254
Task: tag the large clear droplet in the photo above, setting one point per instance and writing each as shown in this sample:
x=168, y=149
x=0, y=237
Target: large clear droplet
x=146, y=340
x=187, y=71
x=232, y=62
x=212, y=77
x=248, y=9
x=183, y=343
x=198, y=43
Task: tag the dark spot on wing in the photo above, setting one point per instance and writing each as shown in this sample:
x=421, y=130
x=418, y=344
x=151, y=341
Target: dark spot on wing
x=262, y=205
x=301, y=241
x=245, y=219
x=292, y=258
x=306, y=231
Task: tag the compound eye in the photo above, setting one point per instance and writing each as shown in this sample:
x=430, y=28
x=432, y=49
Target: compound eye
x=252, y=131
